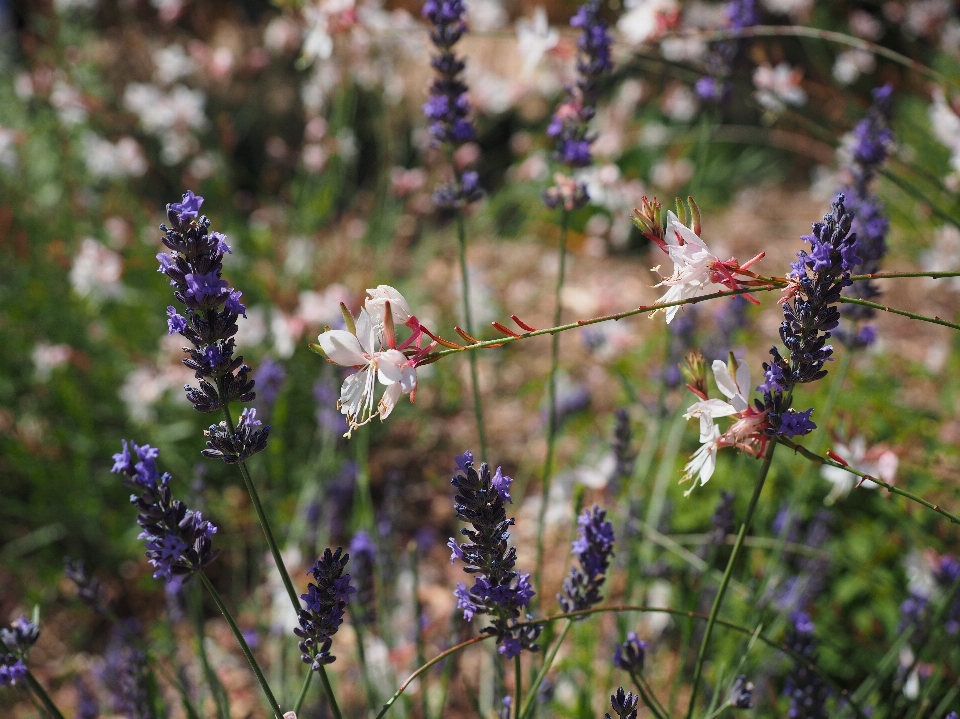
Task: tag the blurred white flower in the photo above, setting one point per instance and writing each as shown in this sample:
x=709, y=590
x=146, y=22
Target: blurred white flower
x=680, y=49
x=864, y=25
x=534, y=39
x=671, y=174
x=943, y=256
x=253, y=330
x=106, y=160
x=680, y=103
x=68, y=102
x=171, y=63
x=796, y=9
x=945, y=122
x=645, y=19
x=8, y=153
x=486, y=15
x=47, y=357
x=876, y=461
x=851, y=64
x=778, y=87
x=96, y=271
x=281, y=35
x=319, y=309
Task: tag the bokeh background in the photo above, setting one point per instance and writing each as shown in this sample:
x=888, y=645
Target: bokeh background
x=300, y=125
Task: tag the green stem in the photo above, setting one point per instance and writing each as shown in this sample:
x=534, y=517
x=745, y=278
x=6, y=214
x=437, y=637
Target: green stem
x=889, y=487
x=904, y=313
x=418, y=612
x=775, y=284
x=218, y=600
x=364, y=669
x=275, y=551
x=303, y=692
x=727, y=574
x=42, y=695
x=468, y=321
x=840, y=691
x=651, y=701
x=216, y=688
x=551, y=404
x=517, y=686
x=541, y=675
x=816, y=33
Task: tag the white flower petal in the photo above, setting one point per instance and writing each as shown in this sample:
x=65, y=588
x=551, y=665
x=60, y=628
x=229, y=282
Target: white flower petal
x=351, y=393
x=366, y=333
x=342, y=347
x=389, y=400
x=376, y=304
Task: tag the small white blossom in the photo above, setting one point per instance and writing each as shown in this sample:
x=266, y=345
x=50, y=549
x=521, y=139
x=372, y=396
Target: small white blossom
x=535, y=38
x=875, y=461
x=692, y=266
x=96, y=271
x=778, y=87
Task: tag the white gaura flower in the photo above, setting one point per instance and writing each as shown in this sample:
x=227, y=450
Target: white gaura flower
x=534, y=39
x=704, y=461
x=693, y=265
x=370, y=346
x=737, y=390
x=876, y=461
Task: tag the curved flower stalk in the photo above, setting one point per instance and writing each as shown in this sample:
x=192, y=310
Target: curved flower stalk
x=498, y=590
x=369, y=344
x=696, y=270
x=178, y=539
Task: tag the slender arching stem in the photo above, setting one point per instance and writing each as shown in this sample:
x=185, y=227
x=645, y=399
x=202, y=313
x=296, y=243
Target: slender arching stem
x=518, y=686
x=904, y=313
x=552, y=419
x=816, y=33
x=889, y=487
x=547, y=663
x=303, y=692
x=42, y=695
x=727, y=574
x=840, y=691
x=218, y=600
x=275, y=551
x=468, y=321
x=775, y=283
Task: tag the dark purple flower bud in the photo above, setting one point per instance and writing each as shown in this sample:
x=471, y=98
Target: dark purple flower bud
x=622, y=449
x=241, y=444
x=624, y=704
x=631, y=654
x=741, y=693
x=325, y=601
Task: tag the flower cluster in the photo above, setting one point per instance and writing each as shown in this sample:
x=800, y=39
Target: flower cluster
x=593, y=549
x=631, y=654
x=194, y=266
x=15, y=644
x=178, y=539
x=498, y=589
x=569, y=126
x=872, y=140
x=127, y=676
x=448, y=107
x=624, y=704
x=623, y=452
x=326, y=600
x=715, y=87
x=364, y=553
x=806, y=689
x=236, y=445
x=696, y=270
x=369, y=344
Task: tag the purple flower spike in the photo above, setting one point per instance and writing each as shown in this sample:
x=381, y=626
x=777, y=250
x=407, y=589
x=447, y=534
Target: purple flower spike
x=593, y=550
x=325, y=600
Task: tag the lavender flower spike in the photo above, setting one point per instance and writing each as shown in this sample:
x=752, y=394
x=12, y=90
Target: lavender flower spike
x=212, y=308
x=570, y=124
x=871, y=147
x=448, y=108
x=807, y=692
x=593, y=549
x=326, y=601
x=720, y=61
x=624, y=704
x=631, y=654
x=178, y=539
x=810, y=313
x=498, y=590
x=15, y=644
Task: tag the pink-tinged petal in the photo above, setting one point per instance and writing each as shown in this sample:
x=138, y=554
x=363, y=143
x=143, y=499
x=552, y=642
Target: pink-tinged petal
x=389, y=400
x=389, y=365
x=342, y=347
x=409, y=380
x=366, y=333
x=378, y=296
